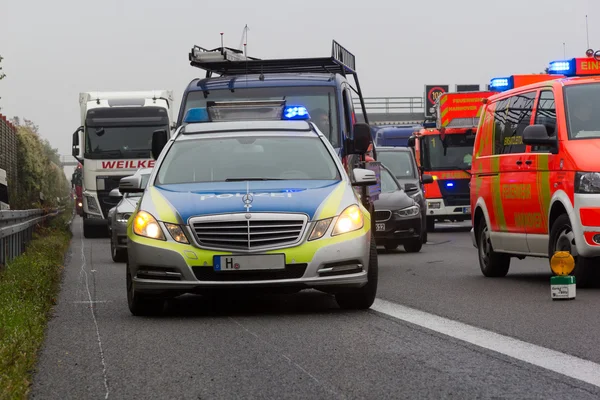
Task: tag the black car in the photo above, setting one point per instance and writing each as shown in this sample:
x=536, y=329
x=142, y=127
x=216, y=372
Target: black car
x=401, y=162
x=399, y=219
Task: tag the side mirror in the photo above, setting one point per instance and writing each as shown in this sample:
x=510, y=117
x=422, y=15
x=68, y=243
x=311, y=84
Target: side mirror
x=411, y=141
x=426, y=179
x=362, y=138
x=75, y=147
x=364, y=177
x=131, y=184
x=159, y=141
x=537, y=135
x=115, y=193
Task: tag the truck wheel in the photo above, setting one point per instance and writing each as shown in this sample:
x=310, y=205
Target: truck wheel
x=492, y=264
x=362, y=298
x=562, y=238
x=140, y=305
x=89, y=231
x=430, y=224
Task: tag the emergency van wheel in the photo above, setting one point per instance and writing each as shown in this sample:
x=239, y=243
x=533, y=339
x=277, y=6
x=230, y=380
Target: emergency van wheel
x=492, y=264
x=562, y=238
x=139, y=304
x=362, y=298
x=430, y=224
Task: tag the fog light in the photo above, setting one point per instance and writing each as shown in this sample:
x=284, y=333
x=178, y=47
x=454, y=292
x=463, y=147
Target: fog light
x=596, y=239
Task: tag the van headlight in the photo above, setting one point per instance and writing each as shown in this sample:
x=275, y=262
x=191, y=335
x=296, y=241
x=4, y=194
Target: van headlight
x=408, y=212
x=146, y=225
x=351, y=219
x=587, y=182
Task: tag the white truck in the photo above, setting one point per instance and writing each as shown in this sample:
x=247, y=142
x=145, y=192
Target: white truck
x=113, y=141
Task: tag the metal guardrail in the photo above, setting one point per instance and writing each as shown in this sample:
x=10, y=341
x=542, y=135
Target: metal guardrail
x=391, y=105
x=16, y=230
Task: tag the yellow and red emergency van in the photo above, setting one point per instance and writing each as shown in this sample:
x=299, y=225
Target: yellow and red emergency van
x=535, y=187
x=445, y=153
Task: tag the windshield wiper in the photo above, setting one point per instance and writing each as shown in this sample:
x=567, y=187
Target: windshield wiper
x=251, y=179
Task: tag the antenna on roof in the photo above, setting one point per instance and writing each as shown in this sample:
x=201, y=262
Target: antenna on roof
x=222, y=39
x=564, y=50
x=587, y=32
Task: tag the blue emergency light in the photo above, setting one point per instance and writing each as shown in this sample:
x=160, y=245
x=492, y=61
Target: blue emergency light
x=295, y=113
x=562, y=67
x=501, y=84
x=449, y=184
x=194, y=115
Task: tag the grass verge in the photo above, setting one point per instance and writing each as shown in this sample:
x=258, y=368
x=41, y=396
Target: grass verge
x=28, y=289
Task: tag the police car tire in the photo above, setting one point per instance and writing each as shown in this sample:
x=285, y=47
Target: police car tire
x=585, y=272
x=139, y=304
x=498, y=264
x=362, y=298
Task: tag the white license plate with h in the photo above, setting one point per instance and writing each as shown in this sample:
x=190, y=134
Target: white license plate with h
x=250, y=262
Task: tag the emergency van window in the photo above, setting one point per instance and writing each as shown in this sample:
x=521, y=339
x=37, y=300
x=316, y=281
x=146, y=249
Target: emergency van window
x=511, y=117
x=546, y=115
x=253, y=158
x=583, y=110
x=399, y=162
x=453, y=153
x=320, y=102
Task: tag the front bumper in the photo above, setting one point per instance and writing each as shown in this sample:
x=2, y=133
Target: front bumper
x=437, y=209
x=586, y=224
x=159, y=266
x=399, y=229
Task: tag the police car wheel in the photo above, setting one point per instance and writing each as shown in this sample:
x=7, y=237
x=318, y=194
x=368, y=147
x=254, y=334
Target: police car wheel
x=362, y=298
x=562, y=238
x=140, y=305
x=492, y=264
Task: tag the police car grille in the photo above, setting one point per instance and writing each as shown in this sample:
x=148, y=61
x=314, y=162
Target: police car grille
x=248, y=234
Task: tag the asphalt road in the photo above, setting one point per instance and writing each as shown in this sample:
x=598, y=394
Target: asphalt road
x=303, y=346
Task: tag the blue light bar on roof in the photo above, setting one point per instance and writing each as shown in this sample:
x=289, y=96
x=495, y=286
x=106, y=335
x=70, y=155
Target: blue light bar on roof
x=194, y=115
x=563, y=67
x=295, y=113
x=502, y=84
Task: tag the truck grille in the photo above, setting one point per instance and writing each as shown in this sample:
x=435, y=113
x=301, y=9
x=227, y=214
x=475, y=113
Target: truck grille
x=237, y=232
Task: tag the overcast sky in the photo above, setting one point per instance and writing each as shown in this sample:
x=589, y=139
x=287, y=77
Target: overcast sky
x=55, y=49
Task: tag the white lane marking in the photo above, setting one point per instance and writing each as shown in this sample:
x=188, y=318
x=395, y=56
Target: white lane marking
x=92, y=302
x=552, y=360
x=87, y=287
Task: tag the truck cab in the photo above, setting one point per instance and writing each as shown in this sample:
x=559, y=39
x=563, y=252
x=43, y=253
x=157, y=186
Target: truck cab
x=113, y=141
x=394, y=136
x=4, y=203
x=320, y=84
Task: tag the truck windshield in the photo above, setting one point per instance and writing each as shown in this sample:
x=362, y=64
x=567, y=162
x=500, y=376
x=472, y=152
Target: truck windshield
x=454, y=153
x=399, y=162
x=320, y=102
x=247, y=158
x=119, y=141
x=582, y=104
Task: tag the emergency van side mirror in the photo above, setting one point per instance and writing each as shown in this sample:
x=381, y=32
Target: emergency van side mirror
x=131, y=184
x=411, y=141
x=159, y=141
x=362, y=138
x=364, y=177
x=537, y=135
x=426, y=179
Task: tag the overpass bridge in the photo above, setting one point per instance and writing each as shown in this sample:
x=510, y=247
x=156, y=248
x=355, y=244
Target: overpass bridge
x=68, y=161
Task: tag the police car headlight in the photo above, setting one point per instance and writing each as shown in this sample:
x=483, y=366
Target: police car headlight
x=408, y=211
x=587, y=182
x=145, y=225
x=351, y=219
x=177, y=233
x=320, y=229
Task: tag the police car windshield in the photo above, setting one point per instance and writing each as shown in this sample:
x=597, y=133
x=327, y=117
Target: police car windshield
x=320, y=102
x=583, y=106
x=452, y=154
x=247, y=158
x=399, y=162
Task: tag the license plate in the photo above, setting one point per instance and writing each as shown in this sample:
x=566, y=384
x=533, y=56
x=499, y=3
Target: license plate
x=252, y=262
x=380, y=227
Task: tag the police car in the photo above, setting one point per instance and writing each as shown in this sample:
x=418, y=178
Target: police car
x=250, y=195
